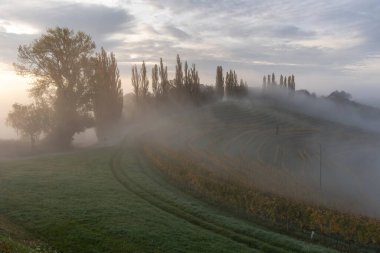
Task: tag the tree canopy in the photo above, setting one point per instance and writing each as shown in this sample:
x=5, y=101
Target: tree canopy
x=29, y=120
x=107, y=93
x=60, y=64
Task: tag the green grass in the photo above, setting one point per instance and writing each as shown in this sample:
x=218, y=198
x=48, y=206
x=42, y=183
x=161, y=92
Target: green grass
x=110, y=200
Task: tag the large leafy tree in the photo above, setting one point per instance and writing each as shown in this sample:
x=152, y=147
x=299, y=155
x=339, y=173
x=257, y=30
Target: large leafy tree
x=108, y=94
x=30, y=121
x=60, y=64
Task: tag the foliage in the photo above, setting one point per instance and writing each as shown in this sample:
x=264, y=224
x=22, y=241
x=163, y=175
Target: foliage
x=219, y=83
x=164, y=82
x=107, y=94
x=233, y=88
x=285, y=82
x=29, y=120
x=144, y=83
x=155, y=87
x=193, y=83
x=60, y=64
x=135, y=79
x=178, y=81
x=186, y=85
x=140, y=84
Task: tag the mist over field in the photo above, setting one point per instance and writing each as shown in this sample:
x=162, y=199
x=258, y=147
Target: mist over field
x=244, y=131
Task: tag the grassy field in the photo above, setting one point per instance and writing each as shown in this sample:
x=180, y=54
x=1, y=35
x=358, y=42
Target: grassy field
x=110, y=200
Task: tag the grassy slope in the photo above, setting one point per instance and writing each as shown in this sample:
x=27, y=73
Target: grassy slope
x=96, y=201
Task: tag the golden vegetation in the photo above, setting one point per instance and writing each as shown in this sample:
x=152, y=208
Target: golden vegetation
x=236, y=193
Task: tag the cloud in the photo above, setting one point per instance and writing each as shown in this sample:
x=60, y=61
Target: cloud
x=176, y=32
x=309, y=38
x=97, y=20
x=292, y=31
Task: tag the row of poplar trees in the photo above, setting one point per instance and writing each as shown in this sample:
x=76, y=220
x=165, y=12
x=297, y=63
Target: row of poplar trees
x=73, y=88
x=229, y=87
x=285, y=82
x=186, y=83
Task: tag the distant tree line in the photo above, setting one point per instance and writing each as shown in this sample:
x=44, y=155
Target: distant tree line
x=285, y=82
x=185, y=85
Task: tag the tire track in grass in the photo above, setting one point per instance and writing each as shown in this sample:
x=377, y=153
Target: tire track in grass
x=256, y=232
x=255, y=244
x=151, y=198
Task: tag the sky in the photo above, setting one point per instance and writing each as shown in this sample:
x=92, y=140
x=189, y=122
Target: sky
x=327, y=45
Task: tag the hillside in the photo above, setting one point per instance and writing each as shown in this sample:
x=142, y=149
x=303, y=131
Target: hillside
x=231, y=176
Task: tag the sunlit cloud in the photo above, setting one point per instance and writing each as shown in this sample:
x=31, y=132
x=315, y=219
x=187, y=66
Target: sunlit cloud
x=16, y=27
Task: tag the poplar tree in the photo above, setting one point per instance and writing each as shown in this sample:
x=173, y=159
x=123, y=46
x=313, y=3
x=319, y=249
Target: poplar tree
x=164, y=82
x=219, y=83
x=108, y=94
x=136, y=83
x=178, y=81
x=155, y=86
x=144, y=83
x=264, y=82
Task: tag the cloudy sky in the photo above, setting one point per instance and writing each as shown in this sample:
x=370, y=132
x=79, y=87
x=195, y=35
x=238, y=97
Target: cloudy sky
x=327, y=45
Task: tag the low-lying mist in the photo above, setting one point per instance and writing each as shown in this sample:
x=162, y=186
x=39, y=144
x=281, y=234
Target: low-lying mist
x=273, y=140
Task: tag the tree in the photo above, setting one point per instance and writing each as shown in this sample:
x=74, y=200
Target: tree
x=264, y=82
x=186, y=81
x=232, y=86
x=144, y=83
x=219, y=83
x=229, y=83
x=108, y=94
x=60, y=64
x=293, y=83
x=155, y=87
x=194, y=83
x=30, y=121
x=242, y=88
x=136, y=83
x=178, y=81
x=164, y=82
